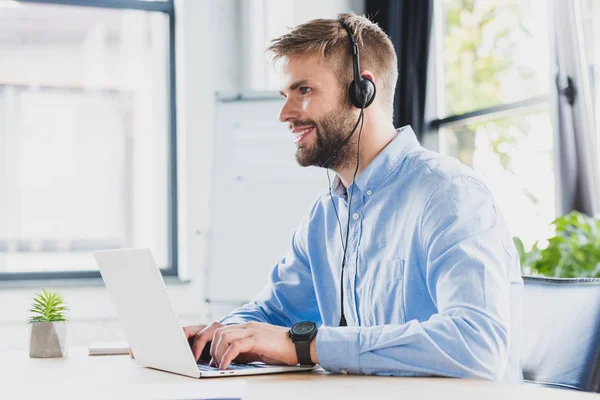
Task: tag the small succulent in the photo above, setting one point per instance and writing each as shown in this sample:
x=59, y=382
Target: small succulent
x=48, y=306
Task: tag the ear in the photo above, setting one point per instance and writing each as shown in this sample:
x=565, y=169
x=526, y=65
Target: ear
x=368, y=74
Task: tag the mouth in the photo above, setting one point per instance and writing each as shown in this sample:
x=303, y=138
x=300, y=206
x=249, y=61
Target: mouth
x=302, y=133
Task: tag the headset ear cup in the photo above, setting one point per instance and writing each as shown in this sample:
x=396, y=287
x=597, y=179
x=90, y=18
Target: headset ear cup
x=363, y=92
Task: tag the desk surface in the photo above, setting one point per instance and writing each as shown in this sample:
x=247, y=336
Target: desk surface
x=79, y=374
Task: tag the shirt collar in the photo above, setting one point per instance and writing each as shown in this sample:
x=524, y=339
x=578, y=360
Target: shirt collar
x=383, y=164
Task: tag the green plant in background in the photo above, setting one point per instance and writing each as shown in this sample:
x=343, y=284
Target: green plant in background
x=573, y=252
x=48, y=306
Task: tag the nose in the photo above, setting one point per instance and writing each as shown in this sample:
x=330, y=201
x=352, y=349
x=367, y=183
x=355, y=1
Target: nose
x=289, y=112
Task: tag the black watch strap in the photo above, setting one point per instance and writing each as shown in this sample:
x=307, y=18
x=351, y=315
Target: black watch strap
x=303, y=352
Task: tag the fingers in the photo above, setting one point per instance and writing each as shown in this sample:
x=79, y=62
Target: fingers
x=254, y=341
x=202, y=337
x=235, y=349
x=231, y=333
x=224, y=340
x=215, y=342
x=190, y=331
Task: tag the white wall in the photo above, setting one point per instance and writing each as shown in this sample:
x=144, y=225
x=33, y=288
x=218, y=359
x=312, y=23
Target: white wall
x=208, y=61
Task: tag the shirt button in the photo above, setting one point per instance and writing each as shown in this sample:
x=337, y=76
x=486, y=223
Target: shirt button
x=369, y=192
x=355, y=216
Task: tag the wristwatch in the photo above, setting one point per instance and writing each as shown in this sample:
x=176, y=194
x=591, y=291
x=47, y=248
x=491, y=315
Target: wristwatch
x=302, y=334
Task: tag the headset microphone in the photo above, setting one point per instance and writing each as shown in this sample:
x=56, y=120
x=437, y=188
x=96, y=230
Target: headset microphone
x=336, y=153
x=362, y=93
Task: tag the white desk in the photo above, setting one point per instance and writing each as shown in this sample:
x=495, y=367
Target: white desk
x=81, y=376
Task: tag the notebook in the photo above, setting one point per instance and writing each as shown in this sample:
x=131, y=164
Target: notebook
x=108, y=349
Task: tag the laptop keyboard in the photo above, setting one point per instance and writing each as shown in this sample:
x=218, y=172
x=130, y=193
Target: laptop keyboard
x=203, y=366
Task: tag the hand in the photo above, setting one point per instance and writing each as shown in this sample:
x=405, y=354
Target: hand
x=250, y=342
x=199, y=335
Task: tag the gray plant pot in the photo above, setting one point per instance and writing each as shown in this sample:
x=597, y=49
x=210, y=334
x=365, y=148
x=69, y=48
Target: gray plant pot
x=48, y=340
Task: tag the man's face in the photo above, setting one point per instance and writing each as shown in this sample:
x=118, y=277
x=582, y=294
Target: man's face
x=318, y=111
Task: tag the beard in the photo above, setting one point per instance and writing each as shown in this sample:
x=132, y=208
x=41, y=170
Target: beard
x=330, y=133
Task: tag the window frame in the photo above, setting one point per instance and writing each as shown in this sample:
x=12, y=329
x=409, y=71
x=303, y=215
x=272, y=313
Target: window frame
x=481, y=114
x=166, y=7
x=488, y=113
x=437, y=119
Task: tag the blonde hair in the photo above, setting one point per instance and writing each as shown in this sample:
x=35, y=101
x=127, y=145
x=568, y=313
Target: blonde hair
x=328, y=39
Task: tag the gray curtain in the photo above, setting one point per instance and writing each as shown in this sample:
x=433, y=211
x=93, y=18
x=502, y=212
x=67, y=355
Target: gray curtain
x=572, y=108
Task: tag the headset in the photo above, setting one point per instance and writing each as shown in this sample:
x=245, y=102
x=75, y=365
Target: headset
x=362, y=89
x=362, y=93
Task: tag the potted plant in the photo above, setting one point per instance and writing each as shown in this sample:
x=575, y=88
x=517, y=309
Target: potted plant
x=48, y=325
x=574, y=251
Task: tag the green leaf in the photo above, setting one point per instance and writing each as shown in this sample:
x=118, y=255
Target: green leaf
x=574, y=251
x=48, y=306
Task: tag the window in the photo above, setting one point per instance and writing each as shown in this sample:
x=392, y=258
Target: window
x=492, y=99
x=590, y=12
x=86, y=134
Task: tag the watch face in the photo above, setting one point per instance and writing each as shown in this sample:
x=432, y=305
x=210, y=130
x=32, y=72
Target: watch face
x=303, y=328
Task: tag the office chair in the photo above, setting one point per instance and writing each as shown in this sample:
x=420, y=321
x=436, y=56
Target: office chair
x=560, y=341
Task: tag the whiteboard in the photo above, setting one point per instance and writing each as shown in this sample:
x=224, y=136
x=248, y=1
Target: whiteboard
x=260, y=197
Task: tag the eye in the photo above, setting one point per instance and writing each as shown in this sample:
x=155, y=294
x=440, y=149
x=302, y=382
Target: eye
x=305, y=90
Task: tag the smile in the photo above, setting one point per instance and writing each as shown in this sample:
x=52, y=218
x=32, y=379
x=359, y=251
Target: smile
x=302, y=133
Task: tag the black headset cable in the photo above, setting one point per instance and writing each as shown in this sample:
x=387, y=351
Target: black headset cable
x=360, y=120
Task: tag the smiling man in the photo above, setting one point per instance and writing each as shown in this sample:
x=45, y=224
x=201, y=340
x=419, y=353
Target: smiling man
x=405, y=265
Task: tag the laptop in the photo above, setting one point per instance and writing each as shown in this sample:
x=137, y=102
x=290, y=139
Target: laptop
x=155, y=336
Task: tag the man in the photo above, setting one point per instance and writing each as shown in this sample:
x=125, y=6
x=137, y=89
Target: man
x=431, y=283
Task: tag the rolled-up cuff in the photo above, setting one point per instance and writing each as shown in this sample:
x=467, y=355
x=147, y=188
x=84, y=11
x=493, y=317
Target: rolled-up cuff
x=337, y=349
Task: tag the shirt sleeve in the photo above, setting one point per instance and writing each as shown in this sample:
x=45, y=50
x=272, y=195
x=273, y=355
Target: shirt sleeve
x=289, y=295
x=467, y=257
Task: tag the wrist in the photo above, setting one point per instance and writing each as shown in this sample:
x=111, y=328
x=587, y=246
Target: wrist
x=313, y=350
x=293, y=360
x=302, y=335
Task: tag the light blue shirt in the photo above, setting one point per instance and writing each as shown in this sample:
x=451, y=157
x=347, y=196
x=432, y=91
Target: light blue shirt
x=432, y=284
